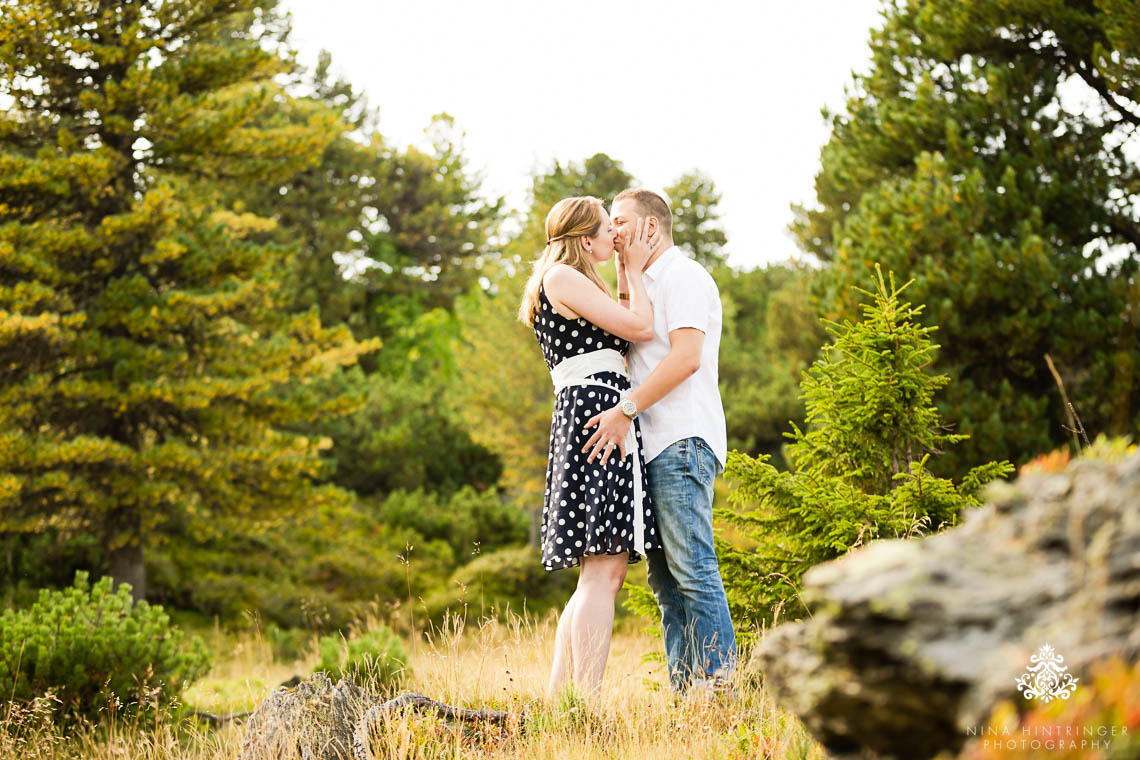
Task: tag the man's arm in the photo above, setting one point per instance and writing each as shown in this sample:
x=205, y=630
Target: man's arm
x=683, y=359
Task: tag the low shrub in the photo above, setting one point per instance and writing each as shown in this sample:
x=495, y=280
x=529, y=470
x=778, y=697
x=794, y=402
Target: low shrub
x=89, y=646
x=375, y=657
x=497, y=580
x=288, y=644
x=858, y=472
x=469, y=521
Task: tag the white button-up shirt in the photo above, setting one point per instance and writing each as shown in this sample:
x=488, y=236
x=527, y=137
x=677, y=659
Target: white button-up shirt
x=683, y=294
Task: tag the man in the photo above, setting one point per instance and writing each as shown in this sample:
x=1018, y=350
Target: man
x=684, y=439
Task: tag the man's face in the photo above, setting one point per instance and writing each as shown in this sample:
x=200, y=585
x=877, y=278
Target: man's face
x=624, y=216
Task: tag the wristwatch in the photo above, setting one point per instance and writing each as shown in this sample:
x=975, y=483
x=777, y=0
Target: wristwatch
x=628, y=408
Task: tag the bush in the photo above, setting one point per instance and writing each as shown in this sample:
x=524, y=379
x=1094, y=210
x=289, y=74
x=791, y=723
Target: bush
x=288, y=644
x=858, y=473
x=469, y=521
x=89, y=645
x=375, y=658
x=509, y=577
x=320, y=570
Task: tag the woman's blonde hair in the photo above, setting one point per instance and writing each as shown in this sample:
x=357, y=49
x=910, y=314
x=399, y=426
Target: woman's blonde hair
x=568, y=222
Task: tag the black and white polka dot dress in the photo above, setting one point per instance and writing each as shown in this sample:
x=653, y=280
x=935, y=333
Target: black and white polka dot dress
x=588, y=508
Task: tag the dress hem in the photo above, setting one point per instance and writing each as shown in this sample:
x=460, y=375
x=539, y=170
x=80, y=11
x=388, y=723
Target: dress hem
x=570, y=562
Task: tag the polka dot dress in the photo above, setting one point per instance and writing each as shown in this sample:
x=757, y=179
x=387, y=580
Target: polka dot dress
x=588, y=508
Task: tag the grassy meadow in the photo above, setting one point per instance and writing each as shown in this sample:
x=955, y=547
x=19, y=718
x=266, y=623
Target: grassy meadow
x=492, y=664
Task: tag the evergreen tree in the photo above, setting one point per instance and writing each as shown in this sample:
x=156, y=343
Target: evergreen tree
x=988, y=154
x=385, y=238
x=771, y=334
x=857, y=472
x=147, y=365
x=366, y=222
x=696, y=221
x=599, y=176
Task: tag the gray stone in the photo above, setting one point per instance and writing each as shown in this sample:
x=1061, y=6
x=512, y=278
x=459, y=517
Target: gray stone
x=314, y=720
x=912, y=642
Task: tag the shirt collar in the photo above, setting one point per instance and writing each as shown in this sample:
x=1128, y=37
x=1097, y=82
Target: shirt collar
x=657, y=268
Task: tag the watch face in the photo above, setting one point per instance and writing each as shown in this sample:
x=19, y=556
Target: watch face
x=629, y=407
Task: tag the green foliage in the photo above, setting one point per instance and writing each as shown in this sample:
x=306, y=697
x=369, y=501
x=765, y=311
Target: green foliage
x=857, y=473
x=376, y=658
x=288, y=644
x=640, y=601
x=383, y=239
x=402, y=437
x=981, y=156
x=327, y=569
x=771, y=334
x=89, y=645
x=512, y=577
x=147, y=369
x=321, y=570
x=696, y=218
x=32, y=561
x=468, y=521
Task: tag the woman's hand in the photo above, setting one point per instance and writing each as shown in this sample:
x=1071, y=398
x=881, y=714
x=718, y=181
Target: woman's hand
x=640, y=247
x=619, y=266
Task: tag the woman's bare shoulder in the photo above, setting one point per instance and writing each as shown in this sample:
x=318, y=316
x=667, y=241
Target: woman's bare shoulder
x=561, y=280
x=564, y=274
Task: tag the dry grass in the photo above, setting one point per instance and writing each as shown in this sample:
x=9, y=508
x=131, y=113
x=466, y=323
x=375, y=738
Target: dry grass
x=495, y=665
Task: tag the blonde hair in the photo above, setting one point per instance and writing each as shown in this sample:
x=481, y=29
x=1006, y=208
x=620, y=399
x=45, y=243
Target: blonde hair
x=568, y=222
x=650, y=203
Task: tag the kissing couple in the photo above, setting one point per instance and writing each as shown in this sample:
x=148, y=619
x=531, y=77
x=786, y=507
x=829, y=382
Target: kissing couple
x=637, y=436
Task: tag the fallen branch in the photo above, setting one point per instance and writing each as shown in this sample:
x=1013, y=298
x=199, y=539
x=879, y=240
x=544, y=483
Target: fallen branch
x=361, y=749
x=217, y=720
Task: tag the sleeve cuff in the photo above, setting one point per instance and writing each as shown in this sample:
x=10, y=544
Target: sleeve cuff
x=682, y=323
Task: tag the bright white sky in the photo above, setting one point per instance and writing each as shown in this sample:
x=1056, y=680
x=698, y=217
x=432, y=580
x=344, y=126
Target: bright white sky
x=730, y=87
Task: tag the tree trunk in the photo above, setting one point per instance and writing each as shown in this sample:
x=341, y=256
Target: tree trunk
x=127, y=567
x=533, y=534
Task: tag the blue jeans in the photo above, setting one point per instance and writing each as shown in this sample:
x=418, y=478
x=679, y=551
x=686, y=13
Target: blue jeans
x=684, y=576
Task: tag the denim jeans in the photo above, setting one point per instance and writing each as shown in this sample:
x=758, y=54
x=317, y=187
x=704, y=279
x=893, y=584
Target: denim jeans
x=684, y=575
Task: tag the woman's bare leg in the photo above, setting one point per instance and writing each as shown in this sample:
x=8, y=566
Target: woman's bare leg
x=592, y=624
x=562, y=671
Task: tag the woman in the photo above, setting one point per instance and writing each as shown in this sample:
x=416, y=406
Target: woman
x=596, y=514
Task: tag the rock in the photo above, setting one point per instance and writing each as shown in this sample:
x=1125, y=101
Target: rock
x=911, y=643
x=315, y=720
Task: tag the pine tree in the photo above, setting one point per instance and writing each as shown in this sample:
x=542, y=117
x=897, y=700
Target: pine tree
x=857, y=472
x=987, y=155
x=386, y=237
x=696, y=220
x=146, y=365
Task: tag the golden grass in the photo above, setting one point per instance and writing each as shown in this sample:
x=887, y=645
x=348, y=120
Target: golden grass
x=492, y=665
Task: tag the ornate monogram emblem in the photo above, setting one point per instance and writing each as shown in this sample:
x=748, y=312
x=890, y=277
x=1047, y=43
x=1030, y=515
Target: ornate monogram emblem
x=1046, y=678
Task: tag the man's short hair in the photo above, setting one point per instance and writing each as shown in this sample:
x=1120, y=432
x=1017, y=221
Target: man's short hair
x=649, y=203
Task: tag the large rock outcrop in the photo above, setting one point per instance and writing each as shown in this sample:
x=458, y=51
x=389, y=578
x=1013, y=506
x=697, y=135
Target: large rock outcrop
x=912, y=642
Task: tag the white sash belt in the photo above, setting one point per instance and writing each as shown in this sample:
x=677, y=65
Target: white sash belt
x=576, y=370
